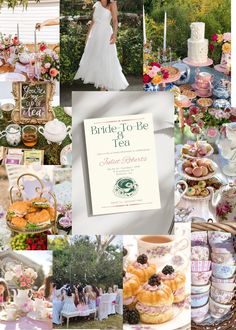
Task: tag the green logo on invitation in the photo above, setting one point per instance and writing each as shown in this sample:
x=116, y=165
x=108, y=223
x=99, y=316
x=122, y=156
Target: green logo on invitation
x=125, y=187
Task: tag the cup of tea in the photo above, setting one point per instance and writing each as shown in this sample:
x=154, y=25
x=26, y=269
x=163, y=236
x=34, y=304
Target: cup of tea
x=161, y=246
x=205, y=76
x=11, y=313
x=30, y=135
x=7, y=109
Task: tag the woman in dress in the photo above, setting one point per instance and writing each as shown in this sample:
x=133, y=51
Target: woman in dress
x=90, y=296
x=69, y=302
x=99, y=64
x=58, y=302
x=4, y=292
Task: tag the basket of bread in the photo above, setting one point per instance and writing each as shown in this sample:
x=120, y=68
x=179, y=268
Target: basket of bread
x=31, y=215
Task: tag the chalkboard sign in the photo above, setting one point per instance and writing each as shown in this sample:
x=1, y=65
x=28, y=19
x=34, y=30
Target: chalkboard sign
x=33, y=102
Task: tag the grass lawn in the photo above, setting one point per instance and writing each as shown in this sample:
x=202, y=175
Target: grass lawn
x=113, y=322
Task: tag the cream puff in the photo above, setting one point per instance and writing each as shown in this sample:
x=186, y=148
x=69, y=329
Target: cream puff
x=142, y=268
x=175, y=281
x=131, y=286
x=155, y=301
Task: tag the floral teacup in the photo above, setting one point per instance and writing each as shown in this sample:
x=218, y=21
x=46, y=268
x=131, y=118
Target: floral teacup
x=200, y=265
x=198, y=313
x=200, y=288
x=215, y=237
x=218, y=310
x=199, y=251
x=200, y=299
x=221, y=296
x=223, y=270
x=199, y=236
x=200, y=278
x=224, y=286
x=224, y=258
x=222, y=280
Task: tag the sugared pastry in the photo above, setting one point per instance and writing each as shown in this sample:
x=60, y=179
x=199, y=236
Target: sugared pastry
x=131, y=286
x=155, y=301
x=142, y=268
x=175, y=281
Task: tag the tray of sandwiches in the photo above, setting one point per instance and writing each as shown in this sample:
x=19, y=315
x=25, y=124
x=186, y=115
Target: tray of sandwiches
x=31, y=215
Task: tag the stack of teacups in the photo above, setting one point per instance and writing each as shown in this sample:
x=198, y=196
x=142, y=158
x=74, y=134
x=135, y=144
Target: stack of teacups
x=223, y=258
x=203, y=86
x=200, y=275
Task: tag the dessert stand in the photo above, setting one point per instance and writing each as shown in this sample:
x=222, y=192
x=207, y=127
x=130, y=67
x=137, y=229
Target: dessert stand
x=230, y=318
x=16, y=194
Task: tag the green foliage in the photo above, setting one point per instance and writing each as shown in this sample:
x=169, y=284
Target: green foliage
x=13, y=3
x=58, y=243
x=79, y=263
x=216, y=14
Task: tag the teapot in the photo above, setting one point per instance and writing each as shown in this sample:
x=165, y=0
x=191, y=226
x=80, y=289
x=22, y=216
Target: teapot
x=223, y=203
x=221, y=90
x=55, y=131
x=179, y=191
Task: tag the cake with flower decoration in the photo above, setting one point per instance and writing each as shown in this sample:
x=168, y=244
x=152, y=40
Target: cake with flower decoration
x=155, y=301
x=175, y=281
x=142, y=268
x=197, y=44
x=131, y=286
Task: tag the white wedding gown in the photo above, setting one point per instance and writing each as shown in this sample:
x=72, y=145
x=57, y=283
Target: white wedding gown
x=99, y=64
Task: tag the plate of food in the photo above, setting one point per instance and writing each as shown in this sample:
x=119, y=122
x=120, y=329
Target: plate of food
x=197, y=169
x=198, y=191
x=205, y=102
x=30, y=215
x=190, y=94
x=173, y=72
x=198, y=149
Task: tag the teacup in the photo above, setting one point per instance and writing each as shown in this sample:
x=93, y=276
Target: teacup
x=182, y=101
x=222, y=248
x=222, y=270
x=198, y=314
x=161, y=246
x=205, y=76
x=200, y=265
x=224, y=286
x=218, y=310
x=200, y=288
x=200, y=299
x=200, y=278
x=11, y=313
x=222, y=280
x=216, y=237
x=224, y=258
x=221, y=296
x=199, y=251
x=202, y=86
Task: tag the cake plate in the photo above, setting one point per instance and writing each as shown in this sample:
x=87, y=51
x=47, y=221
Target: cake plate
x=197, y=65
x=219, y=68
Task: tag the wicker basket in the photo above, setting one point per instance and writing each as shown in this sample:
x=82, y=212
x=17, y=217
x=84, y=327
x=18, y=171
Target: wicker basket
x=18, y=189
x=230, y=323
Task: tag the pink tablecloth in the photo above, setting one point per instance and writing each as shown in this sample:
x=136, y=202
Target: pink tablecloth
x=25, y=323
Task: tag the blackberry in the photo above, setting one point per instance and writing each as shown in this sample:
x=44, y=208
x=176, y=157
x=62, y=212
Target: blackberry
x=125, y=314
x=142, y=259
x=154, y=280
x=168, y=270
x=124, y=272
x=125, y=252
x=133, y=316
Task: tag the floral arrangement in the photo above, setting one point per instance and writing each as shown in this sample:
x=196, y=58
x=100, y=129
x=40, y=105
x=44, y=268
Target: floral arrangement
x=221, y=42
x=50, y=64
x=23, y=278
x=201, y=118
x=154, y=73
x=65, y=217
x=8, y=41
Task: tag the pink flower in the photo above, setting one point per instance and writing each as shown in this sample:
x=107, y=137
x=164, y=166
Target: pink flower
x=155, y=64
x=43, y=70
x=223, y=208
x=152, y=73
x=200, y=123
x=214, y=37
x=211, y=47
x=195, y=129
x=193, y=110
x=22, y=284
x=53, y=72
x=212, y=132
x=47, y=65
x=227, y=36
x=156, y=69
x=189, y=121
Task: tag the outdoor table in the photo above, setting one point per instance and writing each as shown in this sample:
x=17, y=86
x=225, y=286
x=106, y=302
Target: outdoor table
x=84, y=313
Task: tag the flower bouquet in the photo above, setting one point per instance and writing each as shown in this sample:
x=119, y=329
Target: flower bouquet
x=49, y=63
x=154, y=74
x=221, y=44
x=8, y=44
x=23, y=278
x=65, y=217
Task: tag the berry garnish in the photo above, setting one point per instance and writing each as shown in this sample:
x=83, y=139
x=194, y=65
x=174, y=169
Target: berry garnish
x=142, y=259
x=168, y=270
x=154, y=280
x=133, y=316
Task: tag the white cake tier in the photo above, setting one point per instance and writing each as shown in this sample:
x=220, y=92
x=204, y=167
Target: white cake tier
x=197, y=31
x=198, y=51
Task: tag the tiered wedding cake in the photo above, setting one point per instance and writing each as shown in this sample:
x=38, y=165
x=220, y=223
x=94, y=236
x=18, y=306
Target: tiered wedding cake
x=197, y=44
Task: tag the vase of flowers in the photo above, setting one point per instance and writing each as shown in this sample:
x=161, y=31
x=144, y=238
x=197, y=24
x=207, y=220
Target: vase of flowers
x=23, y=278
x=153, y=75
x=222, y=43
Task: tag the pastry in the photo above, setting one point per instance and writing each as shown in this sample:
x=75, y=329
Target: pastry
x=18, y=222
x=204, y=102
x=39, y=218
x=202, y=184
x=40, y=202
x=142, y=268
x=18, y=209
x=198, y=167
x=175, y=281
x=155, y=301
x=198, y=149
x=131, y=286
x=190, y=191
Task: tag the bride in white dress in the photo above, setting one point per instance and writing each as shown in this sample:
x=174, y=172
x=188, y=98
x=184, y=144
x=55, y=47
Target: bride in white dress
x=99, y=64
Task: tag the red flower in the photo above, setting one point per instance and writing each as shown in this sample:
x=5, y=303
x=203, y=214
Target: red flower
x=146, y=79
x=214, y=37
x=165, y=74
x=155, y=64
x=193, y=110
x=211, y=47
x=15, y=41
x=42, y=47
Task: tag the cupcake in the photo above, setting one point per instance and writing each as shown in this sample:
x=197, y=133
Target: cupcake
x=142, y=268
x=175, y=281
x=131, y=286
x=155, y=301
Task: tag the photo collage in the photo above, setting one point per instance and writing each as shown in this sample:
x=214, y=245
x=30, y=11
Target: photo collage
x=117, y=165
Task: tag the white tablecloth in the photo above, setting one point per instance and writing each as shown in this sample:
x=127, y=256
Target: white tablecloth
x=105, y=104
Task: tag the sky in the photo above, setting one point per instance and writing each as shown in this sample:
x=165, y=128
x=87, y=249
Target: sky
x=43, y=258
